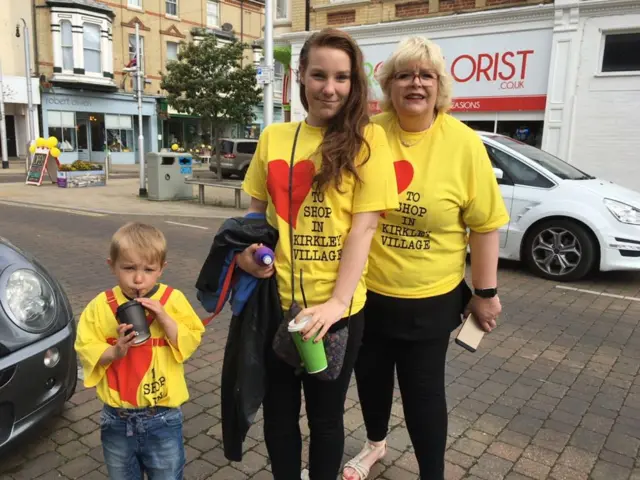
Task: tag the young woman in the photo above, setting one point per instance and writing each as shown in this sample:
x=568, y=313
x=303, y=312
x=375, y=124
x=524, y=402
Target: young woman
x=417, y=264
x=342, y=179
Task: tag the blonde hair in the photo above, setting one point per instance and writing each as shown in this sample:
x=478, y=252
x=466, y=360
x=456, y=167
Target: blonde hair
x=145, y=240
x=416, y=50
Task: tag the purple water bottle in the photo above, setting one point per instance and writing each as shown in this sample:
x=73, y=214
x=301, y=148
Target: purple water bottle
x=264, y=256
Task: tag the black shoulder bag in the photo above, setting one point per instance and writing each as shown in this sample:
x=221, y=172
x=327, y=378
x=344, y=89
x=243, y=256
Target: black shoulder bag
x=335, y=343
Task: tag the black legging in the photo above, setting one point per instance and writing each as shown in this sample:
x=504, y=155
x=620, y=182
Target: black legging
x=410, y=336
x=420, y=367
x=324, y=402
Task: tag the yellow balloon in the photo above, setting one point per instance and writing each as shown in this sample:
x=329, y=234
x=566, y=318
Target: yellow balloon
x=52, y=142
x=32, y=148
x=55, y=151
x=41, y=142
x=174, y=147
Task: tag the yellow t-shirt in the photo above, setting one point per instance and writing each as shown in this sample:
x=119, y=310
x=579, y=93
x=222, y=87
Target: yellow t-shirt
x=321, y=220
x=445, y=184
x=150, y=374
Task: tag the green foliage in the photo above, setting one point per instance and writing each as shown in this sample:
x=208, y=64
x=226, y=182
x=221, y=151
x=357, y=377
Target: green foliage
x=283, y=55
x=208, y=80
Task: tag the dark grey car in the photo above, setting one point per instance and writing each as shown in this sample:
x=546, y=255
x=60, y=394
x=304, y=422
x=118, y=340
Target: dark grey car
x=38, y=368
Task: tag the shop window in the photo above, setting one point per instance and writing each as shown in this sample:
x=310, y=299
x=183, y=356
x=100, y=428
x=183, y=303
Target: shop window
x=621, y=52
x=67, y=46
x=213, y=13
x=172, y=51
x=120, y=137
x=132, y=50
x=172, y=7
x=527, y=131
x=62, y=125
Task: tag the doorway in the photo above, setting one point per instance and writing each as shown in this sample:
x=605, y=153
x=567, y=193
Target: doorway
x=11, y=136
x=91, y=141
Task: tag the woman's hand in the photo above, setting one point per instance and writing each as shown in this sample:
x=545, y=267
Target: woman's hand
x=247, y=263
x=485, y=311
x=323, y=316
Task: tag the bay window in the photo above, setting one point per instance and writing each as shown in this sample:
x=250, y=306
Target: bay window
x=91, y=47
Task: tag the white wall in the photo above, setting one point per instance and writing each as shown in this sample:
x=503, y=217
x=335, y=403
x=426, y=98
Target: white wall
x=606, y=130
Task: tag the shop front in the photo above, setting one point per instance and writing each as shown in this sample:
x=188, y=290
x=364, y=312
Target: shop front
x=498, y=63
x=88, y=125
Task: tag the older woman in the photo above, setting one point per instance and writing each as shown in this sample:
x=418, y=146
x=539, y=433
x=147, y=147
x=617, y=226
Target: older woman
x=449, y=198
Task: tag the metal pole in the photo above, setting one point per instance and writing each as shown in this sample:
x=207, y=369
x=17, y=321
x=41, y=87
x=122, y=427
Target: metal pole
x=139, y=87
x=267, y=93
x=27, y=62
x=3, y=126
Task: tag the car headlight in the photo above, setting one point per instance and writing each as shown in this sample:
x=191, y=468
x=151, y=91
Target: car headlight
x=29, y=300
x=624, y=213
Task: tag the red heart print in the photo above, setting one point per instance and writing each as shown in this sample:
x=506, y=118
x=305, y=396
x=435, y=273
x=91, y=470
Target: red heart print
x=404, y=174
x=278, y=186
x=126, y=374
x=404, y=177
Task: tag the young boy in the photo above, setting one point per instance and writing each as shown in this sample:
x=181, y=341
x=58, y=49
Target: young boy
x=142, y=386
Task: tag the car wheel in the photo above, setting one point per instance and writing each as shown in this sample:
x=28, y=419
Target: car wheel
x=560, y=250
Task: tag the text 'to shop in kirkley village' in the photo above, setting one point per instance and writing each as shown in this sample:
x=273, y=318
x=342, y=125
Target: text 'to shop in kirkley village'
x=563, y=77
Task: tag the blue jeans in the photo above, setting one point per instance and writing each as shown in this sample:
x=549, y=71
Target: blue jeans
x=145, y=440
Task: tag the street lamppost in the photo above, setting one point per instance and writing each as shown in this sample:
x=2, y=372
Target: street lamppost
x=267, y=93
x=31, y=131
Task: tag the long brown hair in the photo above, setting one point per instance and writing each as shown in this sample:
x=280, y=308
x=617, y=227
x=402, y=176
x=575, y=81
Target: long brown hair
x=344, y=136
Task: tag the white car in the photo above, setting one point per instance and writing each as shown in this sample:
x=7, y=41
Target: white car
x=564, y=223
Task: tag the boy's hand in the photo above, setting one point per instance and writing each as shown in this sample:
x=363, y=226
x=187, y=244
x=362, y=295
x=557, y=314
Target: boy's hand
x=164, y=319
x=155, y=307
x=124, y=341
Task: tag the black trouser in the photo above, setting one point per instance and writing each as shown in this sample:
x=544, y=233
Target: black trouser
x=411, y=337
x=325, y=411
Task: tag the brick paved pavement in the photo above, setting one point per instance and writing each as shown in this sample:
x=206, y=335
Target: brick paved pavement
x=553, y=393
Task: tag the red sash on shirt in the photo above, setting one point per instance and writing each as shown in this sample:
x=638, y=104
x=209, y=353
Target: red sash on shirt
x=125, y=375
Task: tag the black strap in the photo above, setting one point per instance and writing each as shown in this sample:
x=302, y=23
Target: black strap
x=293, y=288
x=293, y=154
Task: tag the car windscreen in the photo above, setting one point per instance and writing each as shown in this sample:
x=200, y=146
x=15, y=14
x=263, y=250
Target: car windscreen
x=553, y=164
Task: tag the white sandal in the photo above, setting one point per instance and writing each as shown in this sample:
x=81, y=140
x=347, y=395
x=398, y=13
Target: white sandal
x=362, y=470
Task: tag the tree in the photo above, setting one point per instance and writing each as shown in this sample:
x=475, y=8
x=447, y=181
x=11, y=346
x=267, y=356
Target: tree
x=208, y=80
x=283, y=55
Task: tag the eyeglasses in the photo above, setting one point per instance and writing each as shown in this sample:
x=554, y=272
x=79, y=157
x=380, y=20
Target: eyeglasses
x=426, y=78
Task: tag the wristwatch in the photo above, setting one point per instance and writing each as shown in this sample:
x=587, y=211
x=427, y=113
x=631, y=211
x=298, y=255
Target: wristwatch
x=485, y=292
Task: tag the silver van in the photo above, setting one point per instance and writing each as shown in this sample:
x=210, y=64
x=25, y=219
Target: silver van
x=235, y=156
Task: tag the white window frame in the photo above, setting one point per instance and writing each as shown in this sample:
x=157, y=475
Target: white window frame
x=216, y=23
x=63, y=46
x=135, y=4
x=603, y=42
x=282, y=9
x=79, y=17
x=174, y=3
x=132, y=44
x=85, y=48
x=177, y=50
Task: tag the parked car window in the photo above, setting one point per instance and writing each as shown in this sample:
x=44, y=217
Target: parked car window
x=556, y=166
x=247, y=147
x=517, y=171
x=226, y=147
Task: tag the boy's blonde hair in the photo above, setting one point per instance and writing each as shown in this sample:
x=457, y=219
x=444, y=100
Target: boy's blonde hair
x=411, y=50
x=146, y=240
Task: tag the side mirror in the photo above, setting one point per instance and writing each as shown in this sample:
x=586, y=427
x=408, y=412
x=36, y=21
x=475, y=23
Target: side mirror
x=498, y=173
